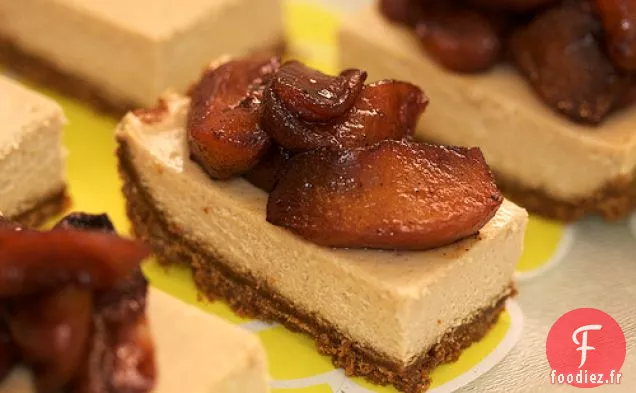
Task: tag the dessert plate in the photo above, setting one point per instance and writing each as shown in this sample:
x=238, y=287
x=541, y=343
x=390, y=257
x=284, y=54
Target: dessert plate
x=294, y=364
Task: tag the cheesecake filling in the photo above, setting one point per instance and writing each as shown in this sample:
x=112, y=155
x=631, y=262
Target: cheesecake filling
x=133, y=51
x=32, y=158
x=398, y=303
x=522, y=140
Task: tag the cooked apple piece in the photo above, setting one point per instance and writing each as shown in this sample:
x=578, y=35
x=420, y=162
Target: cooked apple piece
x=314, y=96
x=383, y=110
x=407, y=12
x=51, y=334
x=7, y=351
x=265, y=174
x=121, y=353
x=566, y=65
x=460, y=39
x=32, y=261
x=224, y=134
x=392, y=195
x=514, y=5
x=87, y=222
x=619, y=22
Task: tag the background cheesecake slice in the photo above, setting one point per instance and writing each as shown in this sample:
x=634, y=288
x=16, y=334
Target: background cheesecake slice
x=32, y=158
x=547, y=163
x=120, y=54
x=196, y=353
x=391, y=316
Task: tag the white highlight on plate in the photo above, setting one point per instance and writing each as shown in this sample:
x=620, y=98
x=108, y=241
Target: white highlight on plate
x=339, y=383
x=564, y=247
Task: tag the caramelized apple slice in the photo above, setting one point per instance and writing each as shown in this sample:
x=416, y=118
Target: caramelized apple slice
x=87, y=222
x=383, y=110
x=51, y=333
x=224, y=134
x=567, y=67
x=133, y=367
x=514, y=5
x=314, y=96
x=460, y=39
x=33, y=261
x=392, y=195
x=121, y=354
x=619, y=22
x=265, y=174
x=407, y=12
x=7, y=351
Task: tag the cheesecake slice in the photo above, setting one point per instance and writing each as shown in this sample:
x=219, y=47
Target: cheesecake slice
x=32, y=158
x=544, y=161
x=390, y=316
x=120, y=54
x=195, y=353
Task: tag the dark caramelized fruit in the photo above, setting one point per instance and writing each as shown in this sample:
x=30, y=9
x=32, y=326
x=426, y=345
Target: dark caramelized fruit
x=224, y=133
x=31, y=261
x=265, y=174
x=462, y=40
x=342, y=168
x=577, y=55
x=392, y=195
x=566, y=65
x=72, y=307
x=514, y=5
x=407, y=12
x=619, y=23
x=381, y=110
x=314, y=96
x=51, y=332
x=7, y=351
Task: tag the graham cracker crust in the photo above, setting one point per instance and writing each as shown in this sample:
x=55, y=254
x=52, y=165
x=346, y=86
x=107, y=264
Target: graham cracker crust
x=252, y=298
x=44, y=210
x=44, y=73
x=614, y=201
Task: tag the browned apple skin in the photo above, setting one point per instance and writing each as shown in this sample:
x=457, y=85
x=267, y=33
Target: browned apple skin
x=33, y=261
x=619, y=22
x=459, y=39
x=392, y=195
x=266, y=173
x=224, y=133
x=51, y=333
x=315, y=96
x=566, y=65
x=383, y=110
x=514, y=5
x=7, y=352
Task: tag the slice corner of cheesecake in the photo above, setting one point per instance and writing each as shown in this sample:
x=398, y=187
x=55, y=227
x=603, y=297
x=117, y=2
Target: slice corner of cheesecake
x=32, y=156
x=220, y=229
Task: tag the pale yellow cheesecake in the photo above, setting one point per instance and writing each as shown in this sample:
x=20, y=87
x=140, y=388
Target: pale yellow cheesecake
x=542, y=159
x=119, y=53
x=390, y=316
x=32, y=158
x=195, y=353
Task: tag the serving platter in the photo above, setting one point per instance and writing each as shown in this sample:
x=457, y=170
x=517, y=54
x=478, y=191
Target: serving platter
x=585, y=264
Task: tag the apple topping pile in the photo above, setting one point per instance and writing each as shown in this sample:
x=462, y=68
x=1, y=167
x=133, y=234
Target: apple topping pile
x=578, y=55
x=72, y=308
x=338, y=156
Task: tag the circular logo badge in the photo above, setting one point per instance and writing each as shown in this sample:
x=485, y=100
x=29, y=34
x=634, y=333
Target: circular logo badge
x=586, y=348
